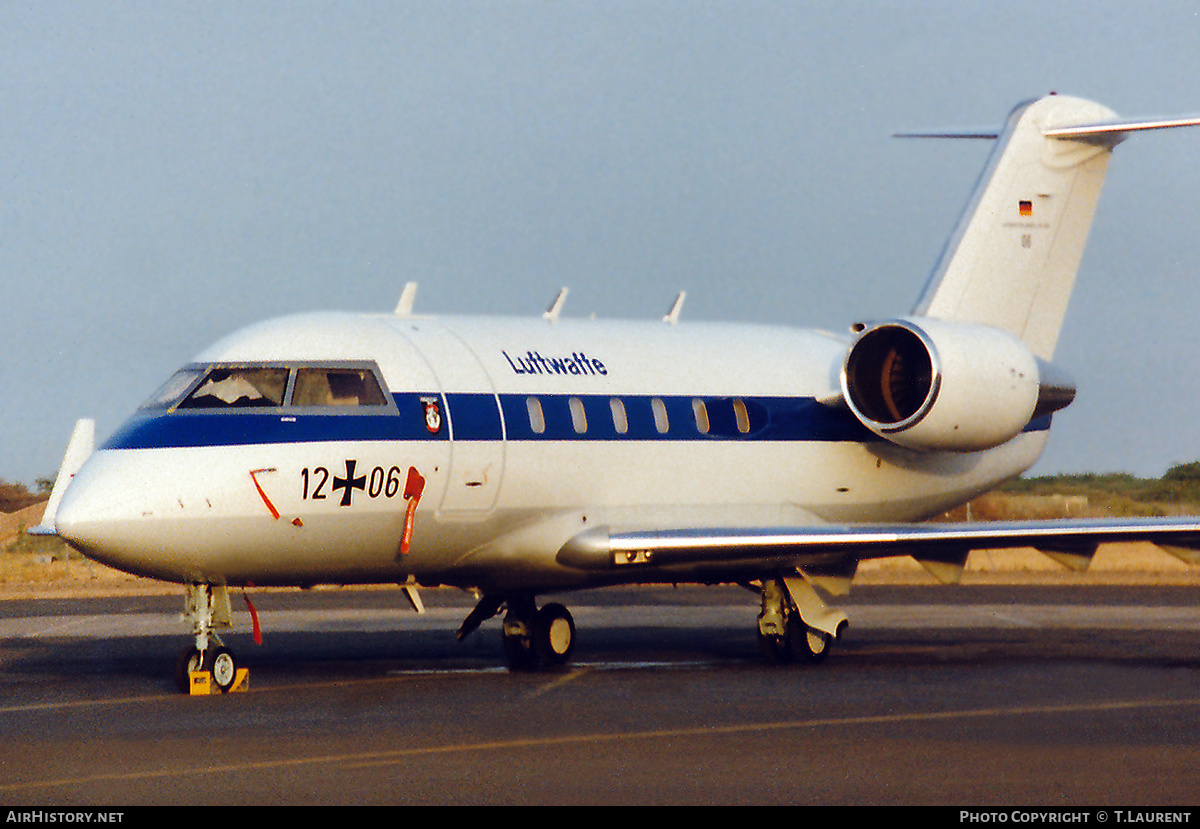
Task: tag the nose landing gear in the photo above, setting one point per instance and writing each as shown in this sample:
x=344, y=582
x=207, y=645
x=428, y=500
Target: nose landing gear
x=206, y=606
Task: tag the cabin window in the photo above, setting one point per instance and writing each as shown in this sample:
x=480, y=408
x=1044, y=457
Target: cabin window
x=537, y=420
x=578, y=415
x=239, y=387
x=660, y=415
x=701, y=412
x=741, y=415
x=620, y=419
x=337, y=387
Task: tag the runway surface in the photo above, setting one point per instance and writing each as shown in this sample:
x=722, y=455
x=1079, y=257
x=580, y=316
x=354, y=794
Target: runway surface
x=971, y=696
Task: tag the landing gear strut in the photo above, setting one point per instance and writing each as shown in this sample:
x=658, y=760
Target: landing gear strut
x=532, y=637
x=794, y=624
x=206, y=606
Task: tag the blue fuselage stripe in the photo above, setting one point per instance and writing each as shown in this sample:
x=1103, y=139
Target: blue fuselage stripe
x=489, y=417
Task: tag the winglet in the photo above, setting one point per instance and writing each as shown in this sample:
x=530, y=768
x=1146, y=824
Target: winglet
x=79, y=449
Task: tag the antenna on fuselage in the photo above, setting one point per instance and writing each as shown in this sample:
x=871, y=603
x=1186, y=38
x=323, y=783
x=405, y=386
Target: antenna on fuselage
x=556, y=307
x=407, y=297
x=672, y=316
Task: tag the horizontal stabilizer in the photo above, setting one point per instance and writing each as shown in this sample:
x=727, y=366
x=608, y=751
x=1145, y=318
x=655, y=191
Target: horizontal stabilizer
x=1108, y=133
x=1111, y=133
x=969, y=134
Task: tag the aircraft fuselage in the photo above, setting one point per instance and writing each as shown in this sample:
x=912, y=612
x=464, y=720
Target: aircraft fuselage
x=512, y=436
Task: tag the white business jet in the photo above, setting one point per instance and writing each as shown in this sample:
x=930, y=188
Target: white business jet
x=520, y=457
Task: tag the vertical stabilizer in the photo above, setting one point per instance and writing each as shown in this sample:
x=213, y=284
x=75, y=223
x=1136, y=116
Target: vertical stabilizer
x=1012, y=260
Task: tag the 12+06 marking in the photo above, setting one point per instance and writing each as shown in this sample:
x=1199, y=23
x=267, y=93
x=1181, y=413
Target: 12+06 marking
x=378, y=483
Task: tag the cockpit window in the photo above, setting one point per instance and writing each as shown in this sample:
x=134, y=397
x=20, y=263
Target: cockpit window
x=239, y=387
x=337, y=387
x=173, y=389
x=216, y=387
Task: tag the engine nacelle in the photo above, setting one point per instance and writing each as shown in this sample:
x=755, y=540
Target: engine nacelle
x=938, y=384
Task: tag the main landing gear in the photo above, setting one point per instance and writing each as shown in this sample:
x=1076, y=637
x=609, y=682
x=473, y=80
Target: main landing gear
x=533, y=637
x=206, y=606
x=794, y=625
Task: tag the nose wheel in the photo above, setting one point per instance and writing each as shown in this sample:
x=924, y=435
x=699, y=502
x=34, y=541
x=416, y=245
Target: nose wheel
x=188, y=662
x=220, y=664
x=217, y=660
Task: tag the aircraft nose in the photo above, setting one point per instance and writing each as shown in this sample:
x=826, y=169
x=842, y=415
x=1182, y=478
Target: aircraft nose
x=83, y=520
x=102, y=516
x=156, y=515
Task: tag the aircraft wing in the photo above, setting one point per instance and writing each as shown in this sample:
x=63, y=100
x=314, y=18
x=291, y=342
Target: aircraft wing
x=942, y=548
x=80, y=448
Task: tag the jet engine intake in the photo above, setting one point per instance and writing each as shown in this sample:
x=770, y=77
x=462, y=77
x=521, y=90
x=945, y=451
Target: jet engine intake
x=934, y=384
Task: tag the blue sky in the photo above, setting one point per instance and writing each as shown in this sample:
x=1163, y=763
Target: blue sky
x=170, y=172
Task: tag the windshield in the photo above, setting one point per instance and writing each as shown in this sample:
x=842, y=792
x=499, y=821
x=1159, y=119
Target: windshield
x=230, y=387
x=257, y=386
x=170, y=392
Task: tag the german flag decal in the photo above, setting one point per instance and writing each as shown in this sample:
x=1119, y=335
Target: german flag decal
x=1026, y=208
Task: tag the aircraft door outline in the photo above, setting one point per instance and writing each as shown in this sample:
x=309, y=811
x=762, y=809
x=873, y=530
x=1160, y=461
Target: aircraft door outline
x=469, y=410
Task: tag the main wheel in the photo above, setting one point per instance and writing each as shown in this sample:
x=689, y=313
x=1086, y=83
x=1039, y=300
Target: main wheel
x=553, y=634
x=189, y=660
x=220, y=663
x=518, y=650
x=807, y=644
x=517, y=633
x=776, y=649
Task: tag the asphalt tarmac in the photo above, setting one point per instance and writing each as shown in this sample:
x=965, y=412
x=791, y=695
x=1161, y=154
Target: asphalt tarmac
x=979, y=697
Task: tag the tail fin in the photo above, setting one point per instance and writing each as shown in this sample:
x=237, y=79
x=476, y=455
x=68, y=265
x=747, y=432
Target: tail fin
x=1012, y=259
